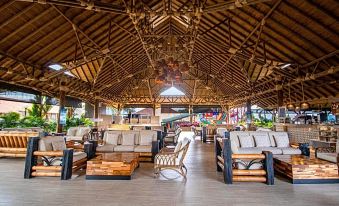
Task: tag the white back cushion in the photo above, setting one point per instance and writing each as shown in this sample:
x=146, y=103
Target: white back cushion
x=234, y=137
x=128, y=138
x=246, y=141
x=281, y=139
x=111, y=137
x=45, y=143
x=82, y=131
x=271, y=135
x=72, y=131
x=146, y=137
x=58, y=145
x=261, y=139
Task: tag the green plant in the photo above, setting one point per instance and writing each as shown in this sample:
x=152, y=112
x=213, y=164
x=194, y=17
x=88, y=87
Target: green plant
x=75, y=121
x=40, y=110
x=11, y=119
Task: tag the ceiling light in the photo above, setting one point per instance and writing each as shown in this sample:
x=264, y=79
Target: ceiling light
x=285, y=66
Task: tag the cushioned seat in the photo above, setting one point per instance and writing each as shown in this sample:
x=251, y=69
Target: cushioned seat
x=105, y=148
x=290, y=150
x=249, y=150
x=124, y=148
x=331, y=157
x=143, y=148
x=78, y=156
x=274, y=150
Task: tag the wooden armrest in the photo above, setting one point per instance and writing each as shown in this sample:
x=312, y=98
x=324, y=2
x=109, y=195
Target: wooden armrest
x=166, y=150
x=49, y=153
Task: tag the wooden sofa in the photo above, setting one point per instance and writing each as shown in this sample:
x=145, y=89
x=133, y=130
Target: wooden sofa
x=243, y=167
x=14, y=143
x=144, y=142
x=49, y=157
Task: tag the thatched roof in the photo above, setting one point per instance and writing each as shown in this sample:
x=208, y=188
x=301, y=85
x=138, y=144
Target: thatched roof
x=237, y=49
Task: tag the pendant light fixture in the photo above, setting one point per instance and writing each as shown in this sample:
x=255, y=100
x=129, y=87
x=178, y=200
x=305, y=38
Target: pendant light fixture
x=304, y=105
x=290, y=106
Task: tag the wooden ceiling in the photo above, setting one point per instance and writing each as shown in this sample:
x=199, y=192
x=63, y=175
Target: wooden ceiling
x=237, y=49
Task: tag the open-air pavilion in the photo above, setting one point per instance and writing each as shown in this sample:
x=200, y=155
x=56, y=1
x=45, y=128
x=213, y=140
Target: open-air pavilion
x=235, y=92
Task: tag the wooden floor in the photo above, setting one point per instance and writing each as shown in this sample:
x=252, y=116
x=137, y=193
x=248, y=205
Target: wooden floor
x=203, y=187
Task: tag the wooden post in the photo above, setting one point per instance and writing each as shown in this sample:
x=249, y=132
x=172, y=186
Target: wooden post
x=218, y=151
x=248, y=113
x=204, y=134
x=96, y=112
x=62, y=97
x=280, y=98
x=227, y=154
x=31, y=160
x=190, y=111
x=160, y=138
x=67, y=164
x=154, y=109
x=268, y=166
x=155, y=148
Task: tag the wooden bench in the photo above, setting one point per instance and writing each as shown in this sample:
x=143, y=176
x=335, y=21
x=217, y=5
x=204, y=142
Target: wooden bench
x=14, y=144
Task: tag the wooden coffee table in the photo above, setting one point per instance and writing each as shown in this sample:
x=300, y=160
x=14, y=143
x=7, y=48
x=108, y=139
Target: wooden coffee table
x=112, y=166
x=300, y=169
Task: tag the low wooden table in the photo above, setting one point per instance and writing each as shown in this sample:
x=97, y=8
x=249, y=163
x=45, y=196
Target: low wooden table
x=112, y=166
x=300, y=169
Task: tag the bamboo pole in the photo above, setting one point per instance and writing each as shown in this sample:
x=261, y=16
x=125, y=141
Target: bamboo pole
x=249, y=179
x=49, y=153
x=249, y=172
x=6, y=149
x=49, y=168
x=12, y=155
x=46, y=174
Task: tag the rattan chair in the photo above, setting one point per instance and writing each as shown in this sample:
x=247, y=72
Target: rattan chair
x=172, y=159
x=172, y=139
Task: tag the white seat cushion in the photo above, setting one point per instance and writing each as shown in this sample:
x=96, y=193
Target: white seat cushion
x=246, y=141
x=143, y=148
x=261, y=139
x=290, y=150
x=74, y=138
x=331, y=157
x=105, y=148
x=274, y=150
x=78, y=156
x=128, y=139
x=124, y=148
x=250, y=150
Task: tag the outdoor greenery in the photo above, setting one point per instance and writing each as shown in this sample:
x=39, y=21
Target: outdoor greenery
x=37, y=117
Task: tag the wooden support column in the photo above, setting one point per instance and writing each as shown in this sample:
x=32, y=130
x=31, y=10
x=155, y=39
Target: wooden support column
x=154, y=108
x=62, y=97
x=190, y=111
x=96, y=112
x=280, y=99
x=248, y=113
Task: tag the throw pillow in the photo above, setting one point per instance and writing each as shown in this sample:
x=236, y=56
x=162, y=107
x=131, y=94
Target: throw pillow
x=282, y=140
x=246, y=141
x=128, y=139
x=262, y=140
x=58, y=145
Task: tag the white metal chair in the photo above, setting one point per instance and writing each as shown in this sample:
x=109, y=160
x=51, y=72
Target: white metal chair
x=172, y=160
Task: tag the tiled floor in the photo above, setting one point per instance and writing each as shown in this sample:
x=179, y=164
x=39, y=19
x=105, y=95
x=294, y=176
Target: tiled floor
x=203, y=187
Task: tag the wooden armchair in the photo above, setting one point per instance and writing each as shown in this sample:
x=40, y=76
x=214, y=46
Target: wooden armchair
x=243, y=167
x=44, y=158
x=169, y=159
